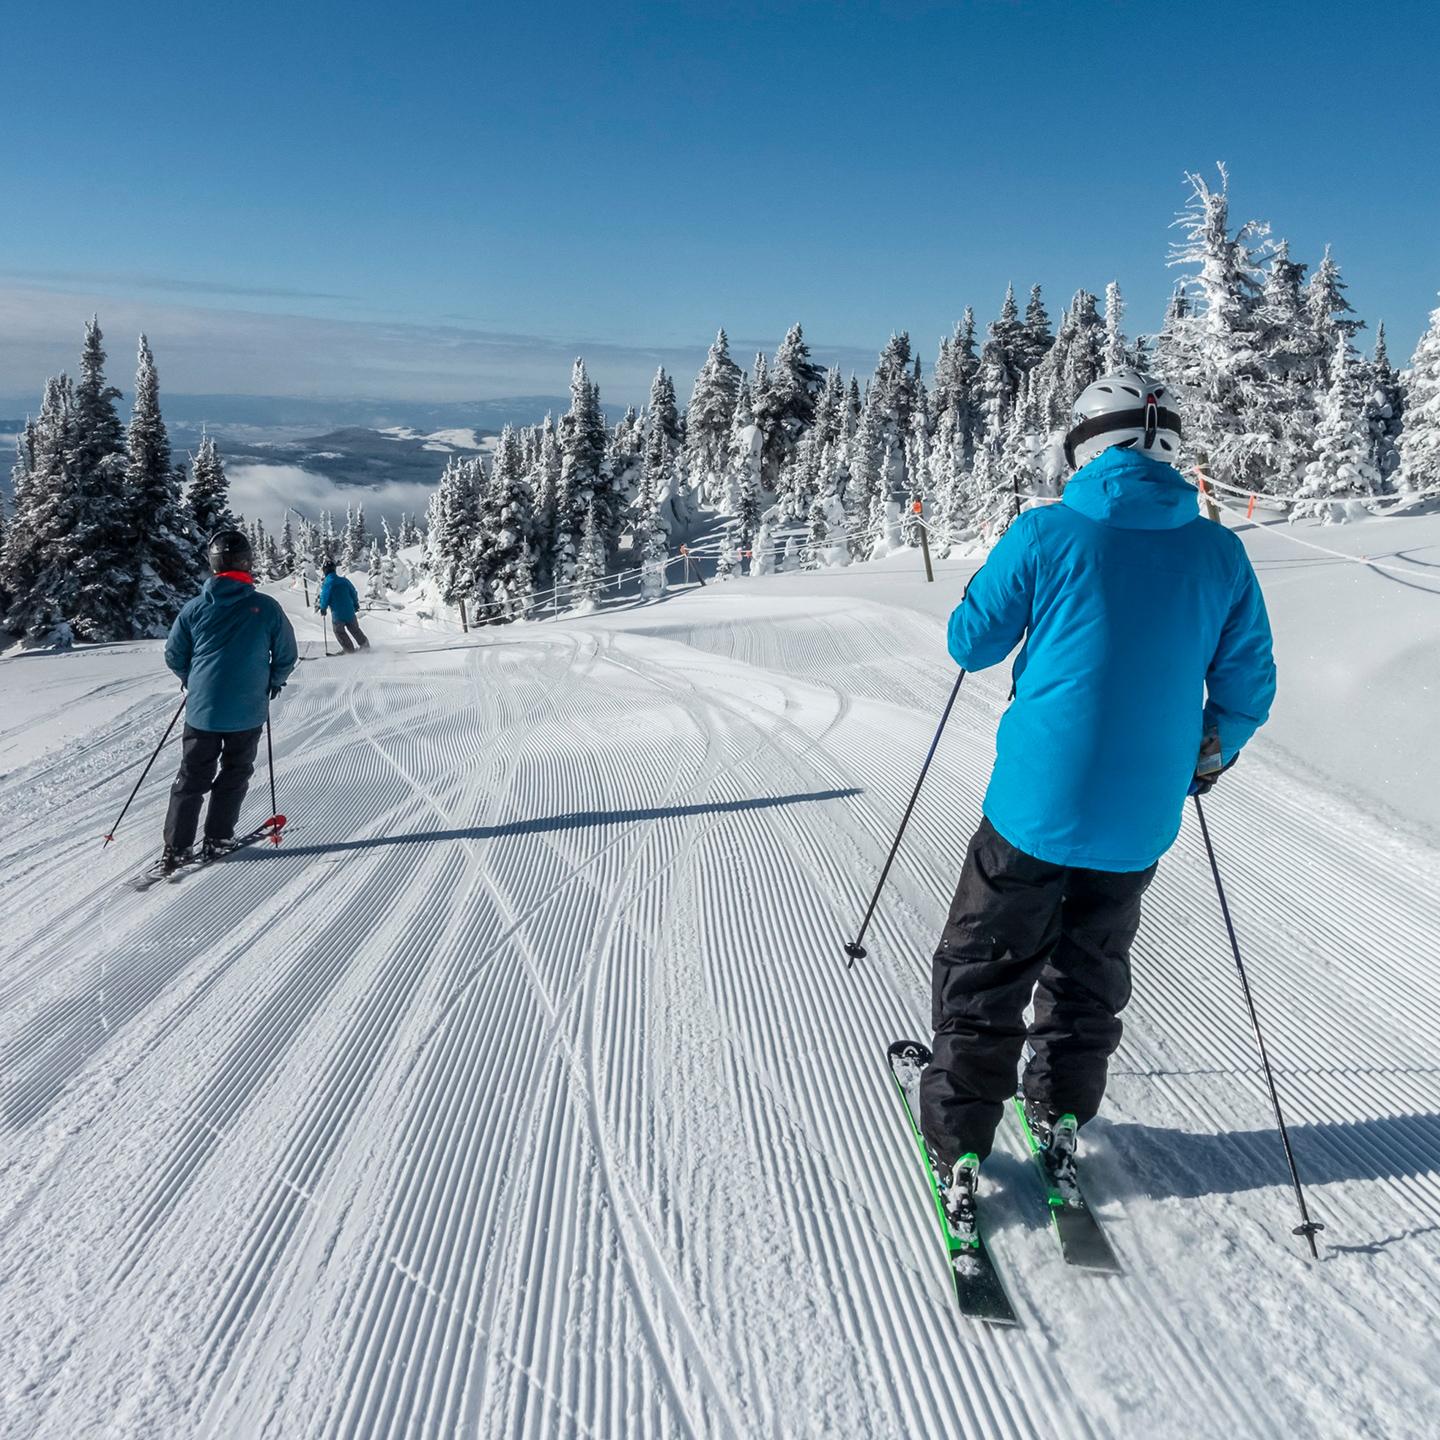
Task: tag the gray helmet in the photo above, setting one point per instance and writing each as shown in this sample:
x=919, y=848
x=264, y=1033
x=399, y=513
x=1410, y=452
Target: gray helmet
x=1128, y=409
x=230, y=550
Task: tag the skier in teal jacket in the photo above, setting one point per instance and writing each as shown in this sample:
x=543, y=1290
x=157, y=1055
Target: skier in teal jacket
x=233, y=650
x=1145, y=667
x=342, y=600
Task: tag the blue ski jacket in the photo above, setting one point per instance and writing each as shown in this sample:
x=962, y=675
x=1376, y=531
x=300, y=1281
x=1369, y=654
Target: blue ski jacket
x=1144, y=628
x=230, y=646
x=340, y=596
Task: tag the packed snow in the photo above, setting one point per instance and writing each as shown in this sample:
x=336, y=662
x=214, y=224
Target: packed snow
x=523, y=1090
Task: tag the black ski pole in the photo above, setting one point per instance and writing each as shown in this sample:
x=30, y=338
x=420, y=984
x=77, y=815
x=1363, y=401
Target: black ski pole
x=270, y=758
x=145, y=771
x=1307, y=1227
x=854, y=949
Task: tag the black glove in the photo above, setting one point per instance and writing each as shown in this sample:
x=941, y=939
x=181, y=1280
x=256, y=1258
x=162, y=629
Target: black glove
x=1208, y=768
x=275, y=691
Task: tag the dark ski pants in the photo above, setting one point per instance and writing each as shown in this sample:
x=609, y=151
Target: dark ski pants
x=234, y=752
x=347, y=631
x=1021, y=928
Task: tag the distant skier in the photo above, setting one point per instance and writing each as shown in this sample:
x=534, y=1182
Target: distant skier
x=1146, y=667
x=340, y=597
x=233, y=650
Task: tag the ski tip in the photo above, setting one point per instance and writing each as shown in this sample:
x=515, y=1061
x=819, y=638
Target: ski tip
x=909, y=1051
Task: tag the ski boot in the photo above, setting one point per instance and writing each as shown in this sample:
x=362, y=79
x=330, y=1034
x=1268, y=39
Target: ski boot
x=169, y=862
x=1058, y=1138
x=959, y=1184
x=212, y=849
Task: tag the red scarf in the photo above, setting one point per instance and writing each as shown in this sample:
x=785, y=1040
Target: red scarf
x=239, y=575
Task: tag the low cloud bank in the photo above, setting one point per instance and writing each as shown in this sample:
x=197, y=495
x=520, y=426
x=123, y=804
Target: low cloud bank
x=263, y=491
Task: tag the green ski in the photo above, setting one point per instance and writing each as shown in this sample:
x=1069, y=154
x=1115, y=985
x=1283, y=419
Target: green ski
x=1082, y=1241
x=978, y=1288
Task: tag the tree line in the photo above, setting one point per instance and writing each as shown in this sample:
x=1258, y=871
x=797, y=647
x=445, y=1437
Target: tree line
x=806, y=467
x=792, y=463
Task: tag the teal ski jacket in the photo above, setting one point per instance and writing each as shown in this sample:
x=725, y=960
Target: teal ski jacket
x=1143, y=628
x=230, y=646
x=339, y=596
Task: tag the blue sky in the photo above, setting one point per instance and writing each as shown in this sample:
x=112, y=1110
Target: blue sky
x=444, y=200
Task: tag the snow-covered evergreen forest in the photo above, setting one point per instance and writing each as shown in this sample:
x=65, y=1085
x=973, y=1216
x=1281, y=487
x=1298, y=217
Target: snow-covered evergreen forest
x=784, y=463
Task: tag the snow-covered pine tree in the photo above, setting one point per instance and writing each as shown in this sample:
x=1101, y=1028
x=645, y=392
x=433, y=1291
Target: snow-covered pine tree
x=163, y=546
x=997, y=395
x=48, y=524
x=17, y=556
x=100, y=473
x=208, y=498
x=662, y=428
x=289, y=560
x=1384, y=411
x=956, y=391
x=1326, y=308
x=650, y=512
x=1038, y=337
x=1010, y=345
x=375, y=590
x=582, y=441
x=1420, y=440
x=743, y=469
x=454, y=516
x=511, y=579
x=1342, y=468
x=589, y=560
x=708, y=419
x=356, y=539
x=950, y=510
x=784, y=402
x=545, y=482
x=390, y=565
x=100, y=434
x=1117, y=352
x=993, y=491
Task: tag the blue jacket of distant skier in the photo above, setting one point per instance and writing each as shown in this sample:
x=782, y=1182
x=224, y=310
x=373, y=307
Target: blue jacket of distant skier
x=340, y=597
x=1144, y=628
x=230, y=646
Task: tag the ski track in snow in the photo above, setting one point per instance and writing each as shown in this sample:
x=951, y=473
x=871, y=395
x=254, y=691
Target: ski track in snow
x=523, y=1091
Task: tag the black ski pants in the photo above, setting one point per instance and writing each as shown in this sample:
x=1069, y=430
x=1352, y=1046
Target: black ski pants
x=348, y=631
x=1021, y=928
x=202, y=750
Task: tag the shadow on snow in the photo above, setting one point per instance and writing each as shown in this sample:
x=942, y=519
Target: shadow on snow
x=542, y=825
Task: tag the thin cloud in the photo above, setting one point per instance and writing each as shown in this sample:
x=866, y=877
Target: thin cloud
x=209, y=350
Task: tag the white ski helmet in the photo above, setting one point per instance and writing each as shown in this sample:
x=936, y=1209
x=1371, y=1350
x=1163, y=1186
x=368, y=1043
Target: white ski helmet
x=1125, y=408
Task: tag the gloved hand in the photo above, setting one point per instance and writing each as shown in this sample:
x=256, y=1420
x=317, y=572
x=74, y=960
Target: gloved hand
x=276, y=691
x=1210, y=766
x=320, y=608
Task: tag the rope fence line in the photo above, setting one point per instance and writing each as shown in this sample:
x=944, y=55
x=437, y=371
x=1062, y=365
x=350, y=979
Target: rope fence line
x=1295, y=498
x=909, y=520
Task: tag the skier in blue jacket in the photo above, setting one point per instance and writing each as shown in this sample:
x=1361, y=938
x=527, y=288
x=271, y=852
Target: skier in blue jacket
x=233, y=650
x=340, y=598
x=1146, y=666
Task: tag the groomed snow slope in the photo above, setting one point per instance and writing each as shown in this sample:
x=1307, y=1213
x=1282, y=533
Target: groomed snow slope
x=523, y=1091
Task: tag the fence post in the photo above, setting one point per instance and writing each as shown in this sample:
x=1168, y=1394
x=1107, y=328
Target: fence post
x=305, y=581
x=1212, y=510
x=925, y=545
x=464, y=623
